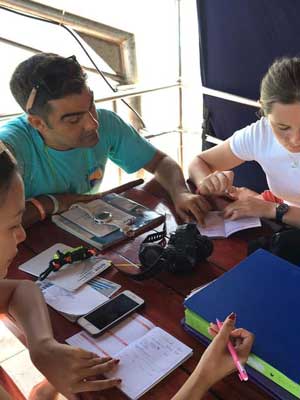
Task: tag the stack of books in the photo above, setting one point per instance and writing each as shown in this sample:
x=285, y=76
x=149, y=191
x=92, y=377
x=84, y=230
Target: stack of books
x=263, y=290
x=126, y=219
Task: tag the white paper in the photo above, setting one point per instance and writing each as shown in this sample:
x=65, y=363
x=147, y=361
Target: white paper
x=115, y=339
x=147, y=353
x=77, y=303
x=217, y=226
x=36, y=265
x=73, y=276
x=70, y=276
x=147, y=360
x=240, y=224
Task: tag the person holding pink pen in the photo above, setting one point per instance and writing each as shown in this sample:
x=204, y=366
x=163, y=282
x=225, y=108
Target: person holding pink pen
x=218, y=361
x=242, y=372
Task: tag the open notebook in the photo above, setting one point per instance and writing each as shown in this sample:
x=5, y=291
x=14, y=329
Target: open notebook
x=217, y=227
x=147, y=353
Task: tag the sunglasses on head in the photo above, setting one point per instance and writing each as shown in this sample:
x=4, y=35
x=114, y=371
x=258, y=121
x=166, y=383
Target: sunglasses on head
x=50, y=85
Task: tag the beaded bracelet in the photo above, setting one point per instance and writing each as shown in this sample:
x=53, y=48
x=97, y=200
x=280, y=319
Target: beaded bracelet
x=55, y=203
x=39, y=206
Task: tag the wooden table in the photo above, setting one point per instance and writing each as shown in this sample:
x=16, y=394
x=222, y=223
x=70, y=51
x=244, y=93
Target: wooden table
x=163, y=294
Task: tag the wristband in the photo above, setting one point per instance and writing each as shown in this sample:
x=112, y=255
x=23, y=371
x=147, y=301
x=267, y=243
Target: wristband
x=39, y=206
x=55, y=203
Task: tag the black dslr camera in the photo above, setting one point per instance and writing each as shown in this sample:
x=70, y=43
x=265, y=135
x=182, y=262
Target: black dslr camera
x=185, y=249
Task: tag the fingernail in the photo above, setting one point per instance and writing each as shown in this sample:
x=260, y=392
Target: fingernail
x=232, y=316
x=116, y=361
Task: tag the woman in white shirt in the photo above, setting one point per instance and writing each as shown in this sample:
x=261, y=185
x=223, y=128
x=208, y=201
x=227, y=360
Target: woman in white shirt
x=273, y=141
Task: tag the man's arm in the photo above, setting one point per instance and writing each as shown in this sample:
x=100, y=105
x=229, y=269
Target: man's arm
x=168, y=173
x=65, y=200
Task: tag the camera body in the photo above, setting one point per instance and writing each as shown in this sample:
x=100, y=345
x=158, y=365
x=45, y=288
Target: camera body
x=185, y=249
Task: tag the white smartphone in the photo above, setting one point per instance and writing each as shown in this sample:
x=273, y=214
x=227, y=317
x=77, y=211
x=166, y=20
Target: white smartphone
x=110, y=312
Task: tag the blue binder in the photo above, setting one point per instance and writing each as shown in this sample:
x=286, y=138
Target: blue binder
x=274, y=390
x=264, y=291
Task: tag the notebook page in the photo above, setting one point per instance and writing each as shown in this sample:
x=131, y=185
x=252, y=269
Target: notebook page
x=240, y=224
x=214, y=225
x=115, y=339
x=148, y=360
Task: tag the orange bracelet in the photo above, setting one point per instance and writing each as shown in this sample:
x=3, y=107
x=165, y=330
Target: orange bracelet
x=39, y=206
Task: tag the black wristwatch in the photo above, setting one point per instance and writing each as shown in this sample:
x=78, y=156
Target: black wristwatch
x=281, y=210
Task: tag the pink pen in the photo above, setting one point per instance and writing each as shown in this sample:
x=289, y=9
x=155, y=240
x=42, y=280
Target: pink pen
x=242, y=372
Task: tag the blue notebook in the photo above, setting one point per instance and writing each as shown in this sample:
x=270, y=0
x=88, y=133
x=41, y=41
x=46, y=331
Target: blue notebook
x=264, y=291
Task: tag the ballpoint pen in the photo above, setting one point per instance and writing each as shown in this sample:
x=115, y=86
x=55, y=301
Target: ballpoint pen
x=242, y=372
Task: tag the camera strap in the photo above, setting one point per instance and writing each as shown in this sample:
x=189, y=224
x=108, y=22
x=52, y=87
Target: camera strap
x=143, y=272
x=154, y=237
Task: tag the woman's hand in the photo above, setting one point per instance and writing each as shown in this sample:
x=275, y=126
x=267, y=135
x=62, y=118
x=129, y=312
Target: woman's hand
x=72, y=370
x=216, y=183
x=250, y=207
x=216, y=362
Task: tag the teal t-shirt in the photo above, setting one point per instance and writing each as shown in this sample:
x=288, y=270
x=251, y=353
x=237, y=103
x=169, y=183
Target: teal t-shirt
x=46, y=170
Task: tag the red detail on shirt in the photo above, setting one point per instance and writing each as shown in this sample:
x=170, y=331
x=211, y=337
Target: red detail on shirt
x=267, y=195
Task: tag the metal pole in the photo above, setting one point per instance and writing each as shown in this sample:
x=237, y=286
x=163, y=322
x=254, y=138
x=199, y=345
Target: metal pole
x=180, y=122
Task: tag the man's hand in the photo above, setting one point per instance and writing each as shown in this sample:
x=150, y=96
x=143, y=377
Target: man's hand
x=71, y=370
x=191, y=206
x=216, y=183
x=250, y=207
x=216, y=362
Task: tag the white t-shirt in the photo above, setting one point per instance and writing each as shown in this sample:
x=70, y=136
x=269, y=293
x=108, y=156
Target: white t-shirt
x=282, y=168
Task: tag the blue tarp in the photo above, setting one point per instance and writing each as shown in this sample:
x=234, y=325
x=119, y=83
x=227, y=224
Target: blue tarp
x=239, y=40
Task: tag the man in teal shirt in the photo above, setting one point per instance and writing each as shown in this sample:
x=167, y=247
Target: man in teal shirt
x=62, y=144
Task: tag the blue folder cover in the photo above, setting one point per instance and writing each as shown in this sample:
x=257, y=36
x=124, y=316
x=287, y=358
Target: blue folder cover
x=274, y=390
x=264, y=291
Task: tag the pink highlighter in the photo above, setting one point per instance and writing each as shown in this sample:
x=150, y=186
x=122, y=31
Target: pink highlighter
x=242, y=372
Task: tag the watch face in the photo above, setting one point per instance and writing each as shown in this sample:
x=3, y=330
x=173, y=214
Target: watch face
x=281, y=209
x=103, y=217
